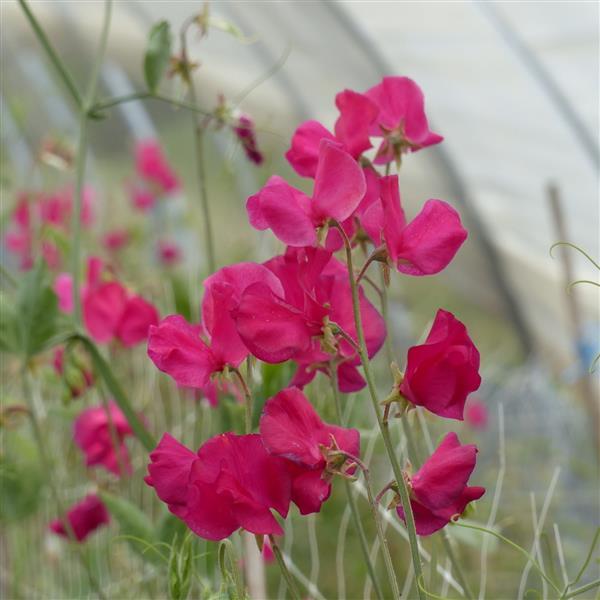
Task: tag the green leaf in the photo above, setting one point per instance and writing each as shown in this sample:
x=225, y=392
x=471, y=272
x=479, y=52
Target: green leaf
x=227, y=27
x=169, y=527
x=21, y=479
x=180, y=568
x=274, y=378
x=9, y=326
x=158, y=54
x=37, y=311
x=103, y=369
x=135, y=526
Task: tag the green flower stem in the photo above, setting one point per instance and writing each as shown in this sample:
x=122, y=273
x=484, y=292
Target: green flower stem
x=583, y=588
x=512, y=545
x=81, y=159
x=200, y=126
x=113, y=386
x=383, y=427
x=49, y=475
x=112, y=102
x=352, y=500
x=291, y=585
x=248, y=403
x=380, y=532
x=52, y=55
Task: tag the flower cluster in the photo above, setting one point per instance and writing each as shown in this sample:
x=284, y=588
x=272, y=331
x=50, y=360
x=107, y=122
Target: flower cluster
x=307, y=306
x=236, y=481
x=47, y=217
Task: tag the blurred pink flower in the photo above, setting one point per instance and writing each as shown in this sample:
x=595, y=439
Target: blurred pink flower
x=116, y=239
x=169, y=253
x=476, y=413
x=152, y=166
x=84, y=518
x=92, y=434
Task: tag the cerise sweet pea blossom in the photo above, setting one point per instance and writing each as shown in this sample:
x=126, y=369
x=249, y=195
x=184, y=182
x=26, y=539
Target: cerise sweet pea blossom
x=291, y=428
x=438, y=490
x=476, y=414
x=94, y=432
x=192, y=353
x=231, y=482
x=84, y=518
x=357, y=114
x=428, y=243
x=401, y=118
x=276, y=327
x=294, y=217
x=444, y=370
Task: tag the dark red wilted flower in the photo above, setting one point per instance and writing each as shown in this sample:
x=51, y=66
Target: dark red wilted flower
x=84, y=518
x=294, y=217
x=443, y=371
x=231, y=482
x=438, y=490
x=92, y=434
x=291, y=428
x=244, y=130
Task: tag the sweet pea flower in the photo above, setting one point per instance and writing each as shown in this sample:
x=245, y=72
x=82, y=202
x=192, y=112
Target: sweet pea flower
x=291, y=428
x=191, y=354
x=276, y=327
x=444, y=370
x=438, y=490
x=231, y=483
x=294, y=217
x=93, y=436
x=153, y=167
x=357, y=114
x=428, y=243
x=246, y=135
x=84, y=518
x=401, y=118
